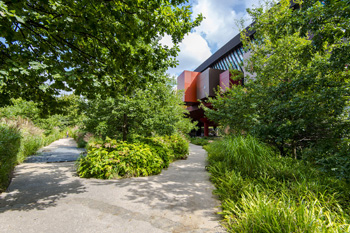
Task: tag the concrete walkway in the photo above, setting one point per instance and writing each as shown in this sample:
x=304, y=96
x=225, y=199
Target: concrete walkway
x=49, y=197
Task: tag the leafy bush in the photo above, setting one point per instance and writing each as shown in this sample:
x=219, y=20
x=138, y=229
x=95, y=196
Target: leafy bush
x=52, y=123
x=263, y=192
x=21, y=108
x=161, y=148
x=10, y=140
x=179, y=145
x=83, y=138
x=119, y=159
x=141, y=157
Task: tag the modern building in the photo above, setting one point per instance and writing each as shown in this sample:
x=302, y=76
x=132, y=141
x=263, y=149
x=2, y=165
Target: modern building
x=203, y=82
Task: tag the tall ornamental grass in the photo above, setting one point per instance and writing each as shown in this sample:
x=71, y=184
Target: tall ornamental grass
x=263, y=192
x=10, y=140
x=20, y=138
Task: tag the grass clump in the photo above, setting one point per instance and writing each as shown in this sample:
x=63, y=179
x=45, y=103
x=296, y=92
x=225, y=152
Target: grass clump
x=10, y=140
x=20, y=138
x=107, y=159
x=202, y=141
x=263, y=192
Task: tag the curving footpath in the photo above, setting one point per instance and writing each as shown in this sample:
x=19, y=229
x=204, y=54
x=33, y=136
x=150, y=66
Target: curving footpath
x=49, y=197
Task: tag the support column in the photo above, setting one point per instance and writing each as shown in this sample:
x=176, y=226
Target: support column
x=206, y=129
x=206, y=126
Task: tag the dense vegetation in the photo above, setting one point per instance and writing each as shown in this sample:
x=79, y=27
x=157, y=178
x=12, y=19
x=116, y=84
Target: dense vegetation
x=154, y=110
x=24, y=130
x=264, y=192
x=108, y=54
x=145, y=132
x=292, y=174
x=298, y=101
x=89, y=47
x=147, y=156
x=202, y=141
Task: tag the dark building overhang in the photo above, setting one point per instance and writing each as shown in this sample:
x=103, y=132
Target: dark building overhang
x=229, y=46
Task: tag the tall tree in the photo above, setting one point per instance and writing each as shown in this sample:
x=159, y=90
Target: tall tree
x=88, y=46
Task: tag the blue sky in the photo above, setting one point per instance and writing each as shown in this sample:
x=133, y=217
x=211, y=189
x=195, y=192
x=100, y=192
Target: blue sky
x=218, y=27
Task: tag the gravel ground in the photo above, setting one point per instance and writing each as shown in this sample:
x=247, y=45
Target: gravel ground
x=49, y=197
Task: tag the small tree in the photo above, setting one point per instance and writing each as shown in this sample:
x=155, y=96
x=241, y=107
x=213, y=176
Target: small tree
x=157, y=109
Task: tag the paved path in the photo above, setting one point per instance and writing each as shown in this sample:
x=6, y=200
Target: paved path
x=49, y=197
x=63, y=150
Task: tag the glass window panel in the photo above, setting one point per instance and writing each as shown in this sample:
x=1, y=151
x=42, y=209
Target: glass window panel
x=223, y=65
x=220, y=66
x=235, y=55
x=241, y=50
x=228, y=63
x=234, y=60
x=238, y=55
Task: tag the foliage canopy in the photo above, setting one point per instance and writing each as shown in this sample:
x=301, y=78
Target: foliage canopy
x=89, y=46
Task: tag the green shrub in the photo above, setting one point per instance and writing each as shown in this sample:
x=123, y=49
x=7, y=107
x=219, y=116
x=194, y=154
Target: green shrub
x=83, y=138
x=263, y=192
x=10, y=140
x=179, y=145
x=141, y=157
x=81, y=142
x=161, y=148
x=119, y=159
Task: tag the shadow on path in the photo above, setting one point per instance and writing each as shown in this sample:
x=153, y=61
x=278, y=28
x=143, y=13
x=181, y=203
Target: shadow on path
x=183, y=187
x=39, y=186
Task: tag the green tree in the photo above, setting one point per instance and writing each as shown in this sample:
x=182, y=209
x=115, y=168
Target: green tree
x=157, y=109
x=299, y=96
x=70, y=106
x=86, y=46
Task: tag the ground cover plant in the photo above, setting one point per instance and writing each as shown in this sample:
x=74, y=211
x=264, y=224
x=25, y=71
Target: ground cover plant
x=107, y=159
x=202, y=141
x=264, y=192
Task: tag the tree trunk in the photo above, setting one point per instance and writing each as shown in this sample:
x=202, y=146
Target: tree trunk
x=125, y=127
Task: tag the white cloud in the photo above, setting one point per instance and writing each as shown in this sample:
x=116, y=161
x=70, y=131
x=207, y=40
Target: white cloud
x=194, y=49
x=166, y=40
x=218, y=27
